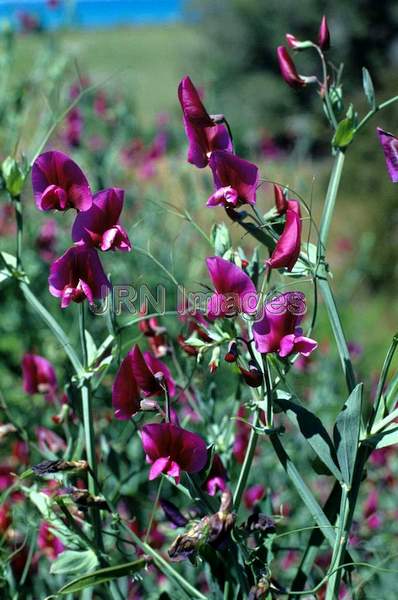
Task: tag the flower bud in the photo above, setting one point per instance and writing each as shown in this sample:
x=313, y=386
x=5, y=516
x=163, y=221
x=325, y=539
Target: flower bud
x=252, y=376
x=292, y=41
x=232, y=353
x=288, y=69
x=324, y=35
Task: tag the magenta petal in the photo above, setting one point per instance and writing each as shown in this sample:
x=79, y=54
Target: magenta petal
x=38, y=375
x=76, y=275
x=59, y=183
x=287, y=249
x=191, y=104
x=304, y=345
x=158, y=467
x=232, y=283
x=174, y=471
x=230, y=171
x=156, y=365
x=390, y=148
x=143, y=374
x=125, y=392
x=286, y=345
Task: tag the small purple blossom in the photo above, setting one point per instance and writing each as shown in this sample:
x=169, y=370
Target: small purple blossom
x=389, y=144
x=234, y=290
x=235, y=179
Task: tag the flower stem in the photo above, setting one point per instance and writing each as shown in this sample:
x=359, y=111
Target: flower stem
x=88, y=425
x=330, y=201
x=19, y=221
x=339, y=547
x=247, y=463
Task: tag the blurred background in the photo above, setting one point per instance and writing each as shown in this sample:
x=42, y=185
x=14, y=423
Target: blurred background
x=127, y=58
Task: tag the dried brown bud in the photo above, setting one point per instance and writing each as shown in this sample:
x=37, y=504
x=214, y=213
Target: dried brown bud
x=84, y=500
x=50, y=467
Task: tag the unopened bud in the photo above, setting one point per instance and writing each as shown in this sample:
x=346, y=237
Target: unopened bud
x=232, y=353
x=288, y=69
x=324, y=35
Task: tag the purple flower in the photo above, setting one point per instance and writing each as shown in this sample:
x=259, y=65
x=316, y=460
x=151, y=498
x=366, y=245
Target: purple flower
x=234, y=290
x=48, y=441
x=324, y=35
x=76, y=275
x=253, y=495
x=235, y=180
x=288, y=69
x=99, y=225
x=139, y=375
x=48, y=543
x=74, y=127
x=390, y=147
x=46, y=240
x=38, y=376
x=171, y=449
x=287, y=249
x=278, y=331
x=216, y=479
x=59, y=183
x=203, y=134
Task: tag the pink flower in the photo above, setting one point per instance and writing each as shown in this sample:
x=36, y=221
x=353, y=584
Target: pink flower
x=48, y=543
x=46, y=240
x=390, y=148
x=287, y=249
x=217, y=477
x=288, y=69
x=324, y=35
x=235, y=179
x=48, y=441
x=74, y=127
x=253, y=495
x=171, y=449
x=38, y=376
x=77, y=275
x=59, y=183
x=370, y=512
x=234, y=290
x=138, y=375
x=203, y=134
x=278, y=331
x=99, y=225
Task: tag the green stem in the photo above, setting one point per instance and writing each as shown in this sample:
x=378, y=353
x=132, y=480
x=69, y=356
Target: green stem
x=382, y=381
x=330, y=201
x=19, y=221
x=374, y=110
x=247, y=463
x=339, y=547
x=54, y=327
x=88, y=425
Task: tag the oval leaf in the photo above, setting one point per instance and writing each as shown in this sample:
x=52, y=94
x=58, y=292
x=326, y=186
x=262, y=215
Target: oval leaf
x=102, y=576
x=346, y=433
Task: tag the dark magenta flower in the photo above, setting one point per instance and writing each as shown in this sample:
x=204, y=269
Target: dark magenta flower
x=278, y=329
x=49, y=441
x=253, y=495
x=288, y=69
x=204, y=135
x=216, y=479
x=390, y=148
x=77, y=275
x=59, y=183
x=99, y=225
x=125, y=392
x=74, y=127
x=324, y=35
x=49, y=544
x=234, y=290
x=171, y=449
x=47, y=239
x=287, y=249
x=139, y=375
x=39, y=376
x=235, y=179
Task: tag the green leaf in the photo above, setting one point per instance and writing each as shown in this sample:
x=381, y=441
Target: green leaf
x=387, y=437
x=368, y=88
x=346, y=433
x=344, y=133
x=220, y=238
x=8, y=264
x=74, y=561
x=314, y=432
x=102, y=576
x=91, y=347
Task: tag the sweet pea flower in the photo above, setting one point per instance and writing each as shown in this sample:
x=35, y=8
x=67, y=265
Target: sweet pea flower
x=324, y=35
x=138, y=375
x=235, y=180
x=204, y=135
x=38, y=376
x=278, y=329
x=49, y=441
x=99, y=225
x=253, y=495
x=74, y=127
x=171, y=449
x=47, y=239
x=288, y=69
x=234, y=290
x=59, y=183
x=287, y=249
x=77, y=275
x=49, y=544
x=216, y=479
x=390, y=148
